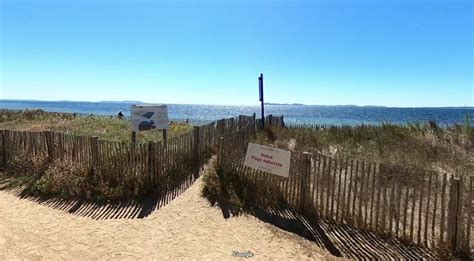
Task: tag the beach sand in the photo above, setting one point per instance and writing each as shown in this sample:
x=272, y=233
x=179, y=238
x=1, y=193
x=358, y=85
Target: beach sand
x=186, y=228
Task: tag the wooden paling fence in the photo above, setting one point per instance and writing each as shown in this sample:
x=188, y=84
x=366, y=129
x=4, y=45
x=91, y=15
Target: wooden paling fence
x=148, y=161
x=150, y=164
x=271, y=120
x=159, y=166
x=423, y=207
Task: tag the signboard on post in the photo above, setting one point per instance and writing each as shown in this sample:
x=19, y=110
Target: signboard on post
x=149, y=117
x=271, y=160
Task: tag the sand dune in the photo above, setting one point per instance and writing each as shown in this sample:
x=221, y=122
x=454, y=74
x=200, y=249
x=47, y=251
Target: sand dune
x=187, y=228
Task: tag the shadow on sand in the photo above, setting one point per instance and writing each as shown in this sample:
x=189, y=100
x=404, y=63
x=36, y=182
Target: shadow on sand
x=339, y=240
x=125, y=209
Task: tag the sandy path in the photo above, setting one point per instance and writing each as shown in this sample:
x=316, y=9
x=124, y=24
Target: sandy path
x=185, y=228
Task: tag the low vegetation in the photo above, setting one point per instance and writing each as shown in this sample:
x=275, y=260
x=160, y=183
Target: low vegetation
x=108, y=128
x=419, y=145
x=36, y=176
x=229, y=188
x=64, y=178
x=412, y=146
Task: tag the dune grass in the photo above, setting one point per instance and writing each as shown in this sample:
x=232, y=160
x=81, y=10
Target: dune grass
x=230, y=189
x=105, y=127
x=421, y=145
x=66, y=179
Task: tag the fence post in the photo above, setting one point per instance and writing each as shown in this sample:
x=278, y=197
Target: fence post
x=454, y=211
x=196, y=155
x=151, y=163
x=460, y=215
x=305, y=177
x=3, y=151
x=7, y=145
x=255, y=127
x=270, y=120
x=220, y=151
x=49, y=144
x=95, y=152
x=470, y=214
x=165, y=134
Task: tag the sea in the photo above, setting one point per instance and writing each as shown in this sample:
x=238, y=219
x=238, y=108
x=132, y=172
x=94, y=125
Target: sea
x=295, y=113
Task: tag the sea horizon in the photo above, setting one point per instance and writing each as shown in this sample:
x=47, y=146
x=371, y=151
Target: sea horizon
x=238, y=105
x=293, y=113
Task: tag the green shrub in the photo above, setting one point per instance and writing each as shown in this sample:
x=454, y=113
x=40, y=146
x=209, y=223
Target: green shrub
x=211, y=188
x=25, y=167
x=238, y=191
x=65, y=179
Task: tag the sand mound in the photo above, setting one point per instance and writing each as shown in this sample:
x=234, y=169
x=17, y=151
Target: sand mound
x=186, y=228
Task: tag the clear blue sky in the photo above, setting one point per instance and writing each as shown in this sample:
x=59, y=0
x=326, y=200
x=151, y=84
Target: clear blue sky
x=386, y=52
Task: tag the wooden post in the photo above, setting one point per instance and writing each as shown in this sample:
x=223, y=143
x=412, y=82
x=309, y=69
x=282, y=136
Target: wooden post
x=151, y=163
x=165, y=134
x=470, y=215
x=49, y=144
x=460, y=215
x=3, y=150
x=443, y=211
x=254, y=116
x=304, y=185
x=7, y=144
x=95, y=152
x=219, y=151
x=197, y=157
x=270, y=120
x=453, y=211
x=134, y=137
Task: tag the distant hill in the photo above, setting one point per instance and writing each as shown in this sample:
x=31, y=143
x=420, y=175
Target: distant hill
x=294, y=104
x=316, y=105
x=122, y=102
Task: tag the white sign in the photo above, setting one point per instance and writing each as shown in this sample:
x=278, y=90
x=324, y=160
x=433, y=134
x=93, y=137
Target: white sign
x=268, y=159
x=149, y=117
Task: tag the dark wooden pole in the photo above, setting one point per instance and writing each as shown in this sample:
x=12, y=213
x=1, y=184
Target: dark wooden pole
x=305, y=186
x=95, y=153
x=151, y=164
x=219, y=152
x=165, y=134
x=260, y=85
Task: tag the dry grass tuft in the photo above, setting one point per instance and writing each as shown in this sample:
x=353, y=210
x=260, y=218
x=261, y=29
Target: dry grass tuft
x=416, y=145
x=229, y=188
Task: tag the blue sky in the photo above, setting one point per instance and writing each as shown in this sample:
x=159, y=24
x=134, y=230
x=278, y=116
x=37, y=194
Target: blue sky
x=387, y=52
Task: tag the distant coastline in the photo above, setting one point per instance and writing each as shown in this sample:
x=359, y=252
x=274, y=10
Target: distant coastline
x=28, y=100
x=266, y=103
